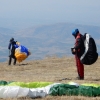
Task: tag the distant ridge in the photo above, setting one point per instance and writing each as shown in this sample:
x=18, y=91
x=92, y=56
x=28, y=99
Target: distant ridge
x=46, y=40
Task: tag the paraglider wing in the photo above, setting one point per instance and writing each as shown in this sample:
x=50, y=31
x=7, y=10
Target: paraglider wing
x=21, y=53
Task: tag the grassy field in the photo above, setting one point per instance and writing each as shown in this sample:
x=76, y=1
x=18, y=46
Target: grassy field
x=50, y=69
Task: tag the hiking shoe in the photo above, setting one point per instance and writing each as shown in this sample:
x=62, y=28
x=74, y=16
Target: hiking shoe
x=79, y=78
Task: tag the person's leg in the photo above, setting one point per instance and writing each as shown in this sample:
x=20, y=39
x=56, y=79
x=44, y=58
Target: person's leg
x=10, y=59
x=14, y=61
x=80, y=68
x=13, y=55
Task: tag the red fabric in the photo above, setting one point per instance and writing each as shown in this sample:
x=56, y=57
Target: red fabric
x=77, y=37
x=80, y=67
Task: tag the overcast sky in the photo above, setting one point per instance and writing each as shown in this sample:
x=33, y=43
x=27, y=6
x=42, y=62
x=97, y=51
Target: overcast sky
x=44, y=11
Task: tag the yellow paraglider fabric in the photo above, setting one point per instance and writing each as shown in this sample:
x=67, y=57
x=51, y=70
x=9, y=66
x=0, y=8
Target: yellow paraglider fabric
x=20, y=56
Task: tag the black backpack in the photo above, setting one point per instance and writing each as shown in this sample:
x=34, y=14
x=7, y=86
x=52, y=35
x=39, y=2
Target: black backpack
x=90, y=54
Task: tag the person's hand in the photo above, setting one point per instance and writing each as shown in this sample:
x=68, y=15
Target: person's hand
x=74, y=50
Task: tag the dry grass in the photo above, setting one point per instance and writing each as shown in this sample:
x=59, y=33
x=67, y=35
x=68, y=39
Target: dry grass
x=50, y=69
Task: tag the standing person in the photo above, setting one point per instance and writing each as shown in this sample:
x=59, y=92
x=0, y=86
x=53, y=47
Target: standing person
x=11, y=48
x=78, y=50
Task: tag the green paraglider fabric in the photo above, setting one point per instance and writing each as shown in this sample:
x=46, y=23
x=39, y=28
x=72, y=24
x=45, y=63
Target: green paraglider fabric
x=65, y=89
x=30, y=84
x=23, y=84
x=5, y=82
x=71, y=88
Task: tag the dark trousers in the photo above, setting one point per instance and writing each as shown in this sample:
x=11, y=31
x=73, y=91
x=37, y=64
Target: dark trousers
x=12, y=56
x=10, y=60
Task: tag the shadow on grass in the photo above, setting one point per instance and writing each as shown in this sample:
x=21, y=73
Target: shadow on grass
x=25, y=64
x=64, y=79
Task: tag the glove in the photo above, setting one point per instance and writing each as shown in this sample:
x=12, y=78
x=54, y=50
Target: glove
x=73, y=51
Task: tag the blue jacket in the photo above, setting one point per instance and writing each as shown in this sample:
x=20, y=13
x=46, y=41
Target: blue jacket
x=11, y=45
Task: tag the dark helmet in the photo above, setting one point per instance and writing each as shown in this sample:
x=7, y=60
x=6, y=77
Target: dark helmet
x=12, y=39
x=74, y=32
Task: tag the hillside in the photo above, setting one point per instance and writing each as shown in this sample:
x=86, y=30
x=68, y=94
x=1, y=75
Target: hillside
x=46, y=40
x=50, y=69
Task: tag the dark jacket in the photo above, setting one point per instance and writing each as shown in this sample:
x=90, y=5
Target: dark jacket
x=11, y=47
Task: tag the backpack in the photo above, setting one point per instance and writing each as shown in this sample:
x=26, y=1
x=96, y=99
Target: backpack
x=90, y=54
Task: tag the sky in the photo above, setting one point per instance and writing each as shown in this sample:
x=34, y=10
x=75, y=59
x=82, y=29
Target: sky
x=33, y=12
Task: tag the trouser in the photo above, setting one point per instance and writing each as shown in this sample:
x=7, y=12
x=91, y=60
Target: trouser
x=12, y=56
x=80, y=67
x=10, y=60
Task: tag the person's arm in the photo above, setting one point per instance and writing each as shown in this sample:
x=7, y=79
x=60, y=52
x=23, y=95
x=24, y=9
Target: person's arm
x=9, y=46
x=78, y=44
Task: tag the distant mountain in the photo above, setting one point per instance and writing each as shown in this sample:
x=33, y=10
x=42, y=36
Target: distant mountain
x=46, y=40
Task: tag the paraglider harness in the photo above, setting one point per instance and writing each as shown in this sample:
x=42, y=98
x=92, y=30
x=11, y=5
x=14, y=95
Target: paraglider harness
x=90, y=54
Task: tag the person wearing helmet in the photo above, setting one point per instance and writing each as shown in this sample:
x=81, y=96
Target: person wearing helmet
x=11, y=48
x=78, y=50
